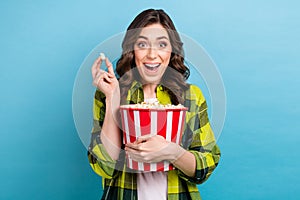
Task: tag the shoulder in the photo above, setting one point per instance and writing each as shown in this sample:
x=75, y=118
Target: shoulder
x=194, y=93
x=194, y=99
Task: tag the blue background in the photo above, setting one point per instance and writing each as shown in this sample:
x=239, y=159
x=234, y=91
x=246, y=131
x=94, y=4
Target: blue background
x=255, y=45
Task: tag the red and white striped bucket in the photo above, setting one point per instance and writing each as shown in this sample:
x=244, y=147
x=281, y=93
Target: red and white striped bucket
x=167, y=122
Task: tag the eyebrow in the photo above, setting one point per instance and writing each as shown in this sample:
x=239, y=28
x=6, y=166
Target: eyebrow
x=159, y=38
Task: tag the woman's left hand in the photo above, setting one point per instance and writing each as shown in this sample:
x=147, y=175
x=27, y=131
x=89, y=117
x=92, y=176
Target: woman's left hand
x=149, y=148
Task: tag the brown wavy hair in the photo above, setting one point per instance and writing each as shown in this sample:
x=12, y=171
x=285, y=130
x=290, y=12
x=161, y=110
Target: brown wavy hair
x=174, y=78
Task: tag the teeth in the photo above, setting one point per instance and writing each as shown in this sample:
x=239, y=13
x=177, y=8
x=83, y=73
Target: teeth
x=152, y=65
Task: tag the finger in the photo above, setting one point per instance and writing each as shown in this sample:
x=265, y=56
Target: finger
x=131, y=151
x=96, y=67
x=134, y=154
x=110, y=67
x=97, y=81
x=110, y=75
x=99, y=72
x=101, y=76
x=143, y=138
x=106, y=78
x=133, y=146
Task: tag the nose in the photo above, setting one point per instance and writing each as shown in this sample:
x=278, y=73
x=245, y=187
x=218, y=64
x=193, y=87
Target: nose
x=152, y=53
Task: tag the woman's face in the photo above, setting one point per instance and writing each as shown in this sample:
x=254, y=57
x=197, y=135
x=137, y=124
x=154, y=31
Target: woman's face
x=152, y=52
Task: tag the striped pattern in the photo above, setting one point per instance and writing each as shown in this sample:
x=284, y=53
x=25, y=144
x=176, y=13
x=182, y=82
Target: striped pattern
x=138, y=122
x=119, y=181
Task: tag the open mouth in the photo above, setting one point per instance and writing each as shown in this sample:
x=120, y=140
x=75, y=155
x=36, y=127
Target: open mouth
x=152, y=67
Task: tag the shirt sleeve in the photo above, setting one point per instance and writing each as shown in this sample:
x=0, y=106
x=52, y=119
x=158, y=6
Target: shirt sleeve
x=198, y=137
x=99, y=159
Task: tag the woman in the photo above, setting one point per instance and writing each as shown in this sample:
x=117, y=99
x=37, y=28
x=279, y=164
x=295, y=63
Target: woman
x=151, y=67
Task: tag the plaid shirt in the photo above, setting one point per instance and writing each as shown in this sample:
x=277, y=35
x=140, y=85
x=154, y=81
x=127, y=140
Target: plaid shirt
x=120, y=182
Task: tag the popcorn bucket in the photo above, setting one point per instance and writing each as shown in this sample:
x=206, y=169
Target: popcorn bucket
x=167, y=122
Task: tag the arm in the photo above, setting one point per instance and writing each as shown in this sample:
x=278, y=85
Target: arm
x=110, y=134
x=206, y=155
x=106, y=140
x=199, y=139
x=99, y=158
x=107, y=83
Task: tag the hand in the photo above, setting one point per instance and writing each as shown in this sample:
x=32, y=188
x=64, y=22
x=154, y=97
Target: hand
x=149, y=148
x=106, y=82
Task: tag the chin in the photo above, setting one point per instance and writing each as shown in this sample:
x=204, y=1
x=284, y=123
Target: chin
x=150, y=80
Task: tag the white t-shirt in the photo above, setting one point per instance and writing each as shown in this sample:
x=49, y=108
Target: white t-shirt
x=152, y=185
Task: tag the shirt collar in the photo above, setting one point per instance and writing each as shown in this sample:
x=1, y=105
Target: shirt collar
x=136, y=94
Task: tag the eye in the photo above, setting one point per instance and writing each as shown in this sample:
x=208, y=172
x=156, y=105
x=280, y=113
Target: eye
x=162, y=45
x=141, y=44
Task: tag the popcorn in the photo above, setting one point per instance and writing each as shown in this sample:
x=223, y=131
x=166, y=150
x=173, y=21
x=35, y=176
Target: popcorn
x=153, y=105
x=155, y=119
x=102, y=56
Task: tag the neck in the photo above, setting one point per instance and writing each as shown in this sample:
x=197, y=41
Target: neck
x=149, y=91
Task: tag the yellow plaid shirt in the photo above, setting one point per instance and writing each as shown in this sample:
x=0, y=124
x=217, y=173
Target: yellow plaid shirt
x=119, y=182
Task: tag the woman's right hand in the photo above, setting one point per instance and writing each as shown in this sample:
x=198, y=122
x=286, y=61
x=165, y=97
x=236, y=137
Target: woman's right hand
x=106, y=82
